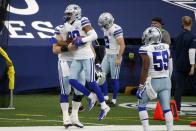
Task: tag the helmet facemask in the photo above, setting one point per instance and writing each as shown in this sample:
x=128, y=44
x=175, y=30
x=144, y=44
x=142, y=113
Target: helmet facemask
x=72, y=12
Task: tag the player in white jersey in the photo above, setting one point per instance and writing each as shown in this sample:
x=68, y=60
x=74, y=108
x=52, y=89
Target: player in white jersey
x=115, y=46
x=65, y=58
x=154, y=79
x=83, y=34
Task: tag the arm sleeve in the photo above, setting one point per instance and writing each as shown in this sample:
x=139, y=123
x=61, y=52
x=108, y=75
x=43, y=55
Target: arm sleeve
x=192, y=55
x=192, y=51
x=170, y=65
x=91, y=36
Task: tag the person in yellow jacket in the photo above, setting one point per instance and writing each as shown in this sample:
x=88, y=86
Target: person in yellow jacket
x=11, y=71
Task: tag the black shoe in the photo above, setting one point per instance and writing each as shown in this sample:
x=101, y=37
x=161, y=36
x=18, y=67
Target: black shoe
x=81, y=109
x=112, y=104
x=107, y=102
x=67, y=125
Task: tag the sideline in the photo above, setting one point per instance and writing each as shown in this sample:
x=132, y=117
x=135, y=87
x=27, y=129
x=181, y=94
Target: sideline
x=97, y=128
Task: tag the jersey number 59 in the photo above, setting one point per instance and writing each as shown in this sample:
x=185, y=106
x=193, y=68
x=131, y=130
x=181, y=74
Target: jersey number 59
x=160, y=60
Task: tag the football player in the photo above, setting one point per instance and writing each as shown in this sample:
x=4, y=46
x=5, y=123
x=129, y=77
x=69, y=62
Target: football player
x=115, y=46
x=154, y=79
x=63, y=47
x=83, y=34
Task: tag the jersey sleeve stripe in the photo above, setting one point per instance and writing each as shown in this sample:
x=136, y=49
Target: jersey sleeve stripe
x=57, y=32
x=85, y=20
x=118, y=34
x=86, y=23
x=142, y=51
x=118, y=31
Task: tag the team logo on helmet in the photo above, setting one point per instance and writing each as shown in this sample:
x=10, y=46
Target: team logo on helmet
x=72, y=12
x=151, y=35
x=106, y=20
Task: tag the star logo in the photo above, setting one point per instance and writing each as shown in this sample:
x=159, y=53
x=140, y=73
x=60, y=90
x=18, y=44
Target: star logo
x=187, y=4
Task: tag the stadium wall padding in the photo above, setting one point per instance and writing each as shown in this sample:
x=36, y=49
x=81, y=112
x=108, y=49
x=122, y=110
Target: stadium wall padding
x=36, y=68
x=31, y=24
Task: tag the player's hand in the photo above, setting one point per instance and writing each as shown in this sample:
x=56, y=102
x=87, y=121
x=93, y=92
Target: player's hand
x=78, y=41
x=118, y=60
x=72, y=47
x=53, y=40
x=98, y=67
x=140, y=91
x=192, y=70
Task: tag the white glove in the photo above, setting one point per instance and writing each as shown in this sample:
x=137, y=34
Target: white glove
x=149, y=90
x=100, y=78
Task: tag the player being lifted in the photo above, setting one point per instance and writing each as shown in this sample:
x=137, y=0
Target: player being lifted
x=65, y=57
x=154, y=79
x=83, y=34
x=115, y=46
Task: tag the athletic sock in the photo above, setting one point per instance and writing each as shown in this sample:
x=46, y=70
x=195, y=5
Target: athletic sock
x=144, y=119
x=169, y=120
x=104, y=88
x=115, y=84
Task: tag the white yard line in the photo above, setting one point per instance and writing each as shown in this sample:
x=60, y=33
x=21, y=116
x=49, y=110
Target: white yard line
x=97, y=128
x=34, y=120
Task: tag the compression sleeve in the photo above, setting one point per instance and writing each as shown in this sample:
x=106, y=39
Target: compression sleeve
x=91, y=36
x=192, y=55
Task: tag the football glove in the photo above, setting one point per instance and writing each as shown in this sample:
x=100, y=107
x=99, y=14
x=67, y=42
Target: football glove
x=53, y=40
x=98, y=67
x=140, y=91
x=78, y=41
x=100, y=78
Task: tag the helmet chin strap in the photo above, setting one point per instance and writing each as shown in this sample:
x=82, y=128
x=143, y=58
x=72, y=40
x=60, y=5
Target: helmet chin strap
x=107, y=26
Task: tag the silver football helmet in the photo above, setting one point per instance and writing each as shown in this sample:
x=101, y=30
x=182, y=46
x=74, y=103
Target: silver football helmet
x=151, y=35
x=72, y=12
x=106, y=20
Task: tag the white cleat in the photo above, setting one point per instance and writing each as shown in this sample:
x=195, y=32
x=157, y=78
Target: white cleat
x=66, y=121
x=103, y=113
x=76, y=122
x=67, y=124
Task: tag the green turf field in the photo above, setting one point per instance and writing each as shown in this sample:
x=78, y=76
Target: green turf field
x=44, y=110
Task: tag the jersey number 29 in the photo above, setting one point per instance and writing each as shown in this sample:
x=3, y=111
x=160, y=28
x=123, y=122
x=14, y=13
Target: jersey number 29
x=73, y=34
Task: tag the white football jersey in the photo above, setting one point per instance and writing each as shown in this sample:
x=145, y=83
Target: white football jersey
x=159, y=58
x=63, y=30
x=84, y=51
x=110, y=36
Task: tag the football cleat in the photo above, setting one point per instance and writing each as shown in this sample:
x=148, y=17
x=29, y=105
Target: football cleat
x=103, y=113
x=67, y=124
x=76, y=122
x=111, y=104
x=66, y=121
